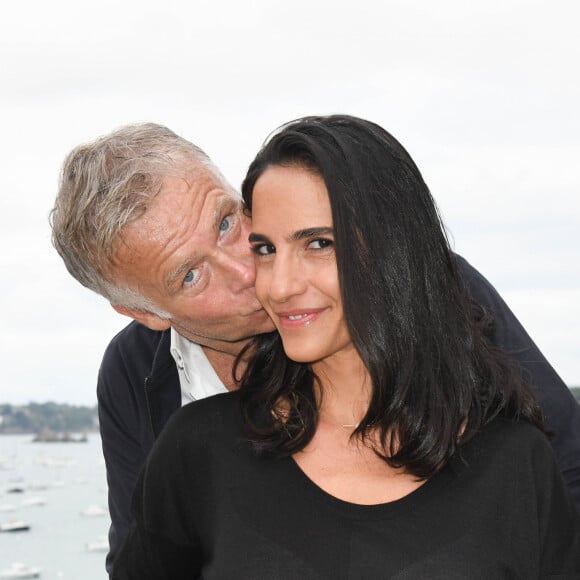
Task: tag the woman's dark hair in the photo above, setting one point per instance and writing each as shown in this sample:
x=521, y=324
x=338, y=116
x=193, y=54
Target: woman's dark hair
x=436, y=379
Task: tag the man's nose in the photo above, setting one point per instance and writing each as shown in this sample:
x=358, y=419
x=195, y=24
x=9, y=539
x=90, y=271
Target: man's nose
x=237, y=265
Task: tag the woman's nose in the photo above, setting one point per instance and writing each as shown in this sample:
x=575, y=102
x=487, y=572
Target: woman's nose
x=287, y=278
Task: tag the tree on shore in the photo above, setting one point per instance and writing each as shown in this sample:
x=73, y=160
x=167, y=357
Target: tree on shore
x=55, y=417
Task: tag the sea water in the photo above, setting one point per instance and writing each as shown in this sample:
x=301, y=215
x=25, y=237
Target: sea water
x=59, y=490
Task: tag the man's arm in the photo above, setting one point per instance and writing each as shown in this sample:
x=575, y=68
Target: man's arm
x=128, y=430
x=561, y=410
x=163, y=542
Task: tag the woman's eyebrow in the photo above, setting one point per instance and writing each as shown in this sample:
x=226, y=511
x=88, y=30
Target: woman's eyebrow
x=253, y=237
x=296, y=236
x=311, y=233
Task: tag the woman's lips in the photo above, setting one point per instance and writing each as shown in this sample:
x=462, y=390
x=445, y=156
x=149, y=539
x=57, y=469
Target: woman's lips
x=298, y=318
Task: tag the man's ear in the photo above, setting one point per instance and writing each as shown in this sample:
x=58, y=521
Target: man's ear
x=144, y=317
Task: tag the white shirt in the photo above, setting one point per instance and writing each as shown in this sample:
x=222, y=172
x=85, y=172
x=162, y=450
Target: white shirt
x=197, y=377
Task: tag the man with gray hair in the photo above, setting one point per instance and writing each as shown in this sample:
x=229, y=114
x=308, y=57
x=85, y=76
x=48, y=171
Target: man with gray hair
x=145, y=219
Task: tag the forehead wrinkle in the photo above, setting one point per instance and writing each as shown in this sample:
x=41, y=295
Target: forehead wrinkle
x=211, y=183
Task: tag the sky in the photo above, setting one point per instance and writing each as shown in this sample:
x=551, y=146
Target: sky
x=484, y=95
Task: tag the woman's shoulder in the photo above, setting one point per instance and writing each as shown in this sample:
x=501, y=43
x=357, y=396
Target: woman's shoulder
x=506, y=459
x=510, y=440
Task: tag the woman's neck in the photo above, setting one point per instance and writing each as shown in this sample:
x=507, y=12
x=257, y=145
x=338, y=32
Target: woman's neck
x=344, y=389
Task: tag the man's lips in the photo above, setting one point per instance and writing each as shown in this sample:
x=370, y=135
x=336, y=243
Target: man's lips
x=298, y=318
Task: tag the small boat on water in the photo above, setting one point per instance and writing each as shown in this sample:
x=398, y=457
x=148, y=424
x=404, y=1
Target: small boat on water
x=99, y=545
x=18, y=570
x=94, y=511
x=7, y=507
x=15, y=489
x=37, y=500
x=14, y=526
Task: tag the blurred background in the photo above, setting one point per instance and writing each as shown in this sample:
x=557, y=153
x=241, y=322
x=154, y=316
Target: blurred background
x=484, y=95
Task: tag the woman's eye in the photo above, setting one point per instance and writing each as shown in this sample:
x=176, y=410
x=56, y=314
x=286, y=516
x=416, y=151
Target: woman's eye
x=190, y=277
x=320, y=244
x=263, y=249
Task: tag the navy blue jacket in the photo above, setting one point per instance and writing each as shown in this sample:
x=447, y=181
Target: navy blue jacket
x=138, y=390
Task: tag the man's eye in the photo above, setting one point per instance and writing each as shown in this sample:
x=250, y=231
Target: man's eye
x=320, y=244
x=225, y=224
x=191, y=276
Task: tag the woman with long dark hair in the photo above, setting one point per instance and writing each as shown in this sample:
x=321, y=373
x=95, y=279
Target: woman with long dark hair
x=377, y=433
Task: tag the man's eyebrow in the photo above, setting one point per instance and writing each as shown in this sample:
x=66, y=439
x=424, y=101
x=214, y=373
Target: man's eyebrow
x=224, y=201
x=177, y=273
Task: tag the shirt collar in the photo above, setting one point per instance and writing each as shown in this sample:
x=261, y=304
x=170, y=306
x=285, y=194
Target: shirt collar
x=197, y=377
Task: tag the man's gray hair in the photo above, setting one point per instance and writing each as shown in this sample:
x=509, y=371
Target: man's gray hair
x=106, y=184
